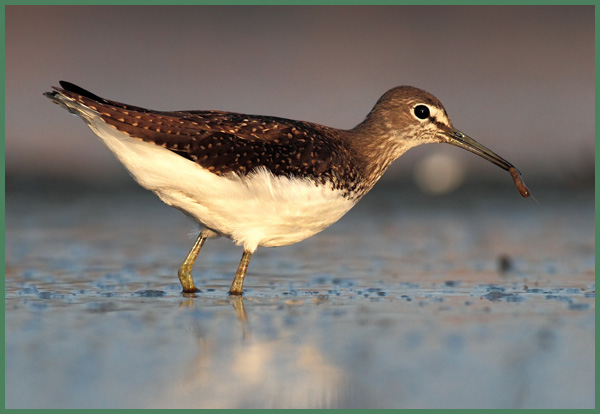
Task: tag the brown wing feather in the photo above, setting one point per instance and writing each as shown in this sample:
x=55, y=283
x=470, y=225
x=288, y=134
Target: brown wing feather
x=227, y=142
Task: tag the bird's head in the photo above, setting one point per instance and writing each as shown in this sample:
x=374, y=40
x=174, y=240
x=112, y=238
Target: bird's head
x=405, y=117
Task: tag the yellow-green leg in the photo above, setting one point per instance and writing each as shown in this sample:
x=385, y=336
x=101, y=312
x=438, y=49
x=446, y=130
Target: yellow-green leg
x=185, y=270
x=238, y=280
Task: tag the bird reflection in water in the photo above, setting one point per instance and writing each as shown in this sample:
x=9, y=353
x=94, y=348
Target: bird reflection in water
x=269, y=368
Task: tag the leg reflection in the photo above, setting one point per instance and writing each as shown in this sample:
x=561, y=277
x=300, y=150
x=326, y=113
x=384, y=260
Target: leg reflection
x=240, y=311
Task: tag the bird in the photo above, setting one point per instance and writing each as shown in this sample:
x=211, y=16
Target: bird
x=264, y=180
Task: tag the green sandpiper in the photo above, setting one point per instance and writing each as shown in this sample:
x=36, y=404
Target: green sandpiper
x=264, y=180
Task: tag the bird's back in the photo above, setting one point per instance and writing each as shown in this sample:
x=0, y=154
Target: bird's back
x=228, y=142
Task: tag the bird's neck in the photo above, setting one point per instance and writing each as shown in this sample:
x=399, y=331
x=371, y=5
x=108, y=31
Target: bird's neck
x=376, y=146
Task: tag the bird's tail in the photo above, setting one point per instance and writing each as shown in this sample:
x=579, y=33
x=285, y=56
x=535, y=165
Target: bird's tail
x=69, y=98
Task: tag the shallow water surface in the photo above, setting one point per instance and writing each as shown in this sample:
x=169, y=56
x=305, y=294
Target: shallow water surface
x=467, y=301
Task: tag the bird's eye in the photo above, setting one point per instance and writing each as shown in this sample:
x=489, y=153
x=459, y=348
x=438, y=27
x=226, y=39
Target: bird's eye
x=421, y=111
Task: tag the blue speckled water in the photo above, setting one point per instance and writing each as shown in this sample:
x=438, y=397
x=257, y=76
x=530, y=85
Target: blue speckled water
x=477, y=300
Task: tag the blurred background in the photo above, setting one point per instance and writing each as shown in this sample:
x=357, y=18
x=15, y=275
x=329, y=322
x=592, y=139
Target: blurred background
x=443, y=288
x=518, y=79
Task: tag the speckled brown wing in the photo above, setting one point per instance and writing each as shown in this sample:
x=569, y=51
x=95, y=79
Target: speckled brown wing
x=226, y=142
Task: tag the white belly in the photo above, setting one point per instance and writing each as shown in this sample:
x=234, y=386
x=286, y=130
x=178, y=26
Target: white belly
x=255, y=210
